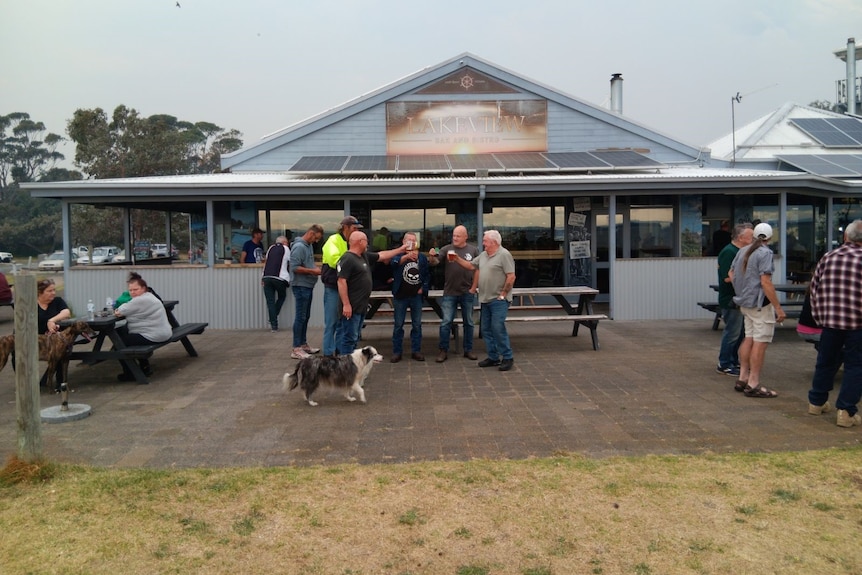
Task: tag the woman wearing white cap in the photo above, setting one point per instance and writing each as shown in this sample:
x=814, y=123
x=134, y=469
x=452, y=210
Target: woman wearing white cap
x=751, y=275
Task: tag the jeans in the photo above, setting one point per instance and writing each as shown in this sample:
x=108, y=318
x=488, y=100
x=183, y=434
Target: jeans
x=493, y=318
x=275, y=293
x=449, y=305
x=330, y=320
x=401, y=305
x=836, y=344
x=731, y=338
x=302, y=300
x=348, y=333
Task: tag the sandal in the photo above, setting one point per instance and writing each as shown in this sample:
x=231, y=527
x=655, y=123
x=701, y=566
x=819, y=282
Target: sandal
x=759, y=392
x=740, y=385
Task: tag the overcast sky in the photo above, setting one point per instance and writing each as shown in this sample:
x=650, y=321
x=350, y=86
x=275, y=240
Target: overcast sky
x=261, y=65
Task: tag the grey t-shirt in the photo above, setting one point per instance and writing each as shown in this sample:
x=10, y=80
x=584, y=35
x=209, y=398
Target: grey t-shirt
x=746, y=283
x=492, y=274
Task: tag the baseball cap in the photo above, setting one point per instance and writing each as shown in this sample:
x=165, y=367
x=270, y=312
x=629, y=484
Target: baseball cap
x=351, y=221
x=763, y=231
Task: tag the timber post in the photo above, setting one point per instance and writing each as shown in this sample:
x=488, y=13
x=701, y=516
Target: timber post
x=27, y=370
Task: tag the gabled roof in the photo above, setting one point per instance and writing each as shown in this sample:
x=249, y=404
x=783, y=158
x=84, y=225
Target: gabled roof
x=430, y=74
x=773, y=135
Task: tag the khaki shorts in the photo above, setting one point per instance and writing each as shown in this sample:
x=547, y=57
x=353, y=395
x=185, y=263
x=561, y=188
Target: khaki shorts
x=759, y=323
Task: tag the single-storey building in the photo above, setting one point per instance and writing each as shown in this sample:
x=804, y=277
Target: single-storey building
x=582, y=195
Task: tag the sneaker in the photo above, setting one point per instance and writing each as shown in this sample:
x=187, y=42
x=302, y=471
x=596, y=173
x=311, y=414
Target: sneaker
x=507, y=364
x=844, y=419
x=488, y=362
x=818, y=409
x=733, y=371
x=310, y=350
x=299, y=353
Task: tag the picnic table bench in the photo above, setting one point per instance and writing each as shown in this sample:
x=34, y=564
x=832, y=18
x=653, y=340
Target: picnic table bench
x=579, y=314
x=106, y=329
x=792, y=305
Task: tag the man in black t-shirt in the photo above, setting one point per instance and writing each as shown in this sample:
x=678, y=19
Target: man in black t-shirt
x=354, y=287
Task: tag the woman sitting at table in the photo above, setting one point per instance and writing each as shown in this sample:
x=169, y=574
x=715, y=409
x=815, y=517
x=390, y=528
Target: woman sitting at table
x=146, y=321
x=50, y=310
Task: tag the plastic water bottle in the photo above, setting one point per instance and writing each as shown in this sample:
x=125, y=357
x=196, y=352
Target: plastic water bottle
x=109, y=304
x=91, y=310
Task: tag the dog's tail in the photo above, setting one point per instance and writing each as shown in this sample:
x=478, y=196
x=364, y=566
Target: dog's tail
x=290, y=380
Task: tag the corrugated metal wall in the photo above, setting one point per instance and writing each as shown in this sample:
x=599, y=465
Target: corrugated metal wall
x=663, y=288
x=228, y=297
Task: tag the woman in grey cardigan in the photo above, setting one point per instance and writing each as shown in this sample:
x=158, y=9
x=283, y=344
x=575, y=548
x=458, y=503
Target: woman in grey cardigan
x=146, y=321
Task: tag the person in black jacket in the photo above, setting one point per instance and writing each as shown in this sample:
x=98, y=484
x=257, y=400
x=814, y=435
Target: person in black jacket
x=276, y=279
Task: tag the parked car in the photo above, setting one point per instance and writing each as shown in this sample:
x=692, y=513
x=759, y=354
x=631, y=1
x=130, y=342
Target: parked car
x=100, y=255
x=81, y=251
x=6, y=257
x=55, y=261
x=160, y=250
x=120, y=257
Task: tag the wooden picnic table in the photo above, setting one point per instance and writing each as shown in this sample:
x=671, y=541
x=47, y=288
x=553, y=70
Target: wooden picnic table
x=580, y=313
x=105, y=326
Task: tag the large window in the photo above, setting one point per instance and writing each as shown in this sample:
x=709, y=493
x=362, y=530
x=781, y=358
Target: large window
x=651, y=221
x=534, y=235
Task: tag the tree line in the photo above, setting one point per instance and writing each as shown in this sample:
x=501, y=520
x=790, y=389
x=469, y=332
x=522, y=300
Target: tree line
x=124, y=145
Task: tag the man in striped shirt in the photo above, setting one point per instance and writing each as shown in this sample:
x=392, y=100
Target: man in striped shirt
x=836, y=305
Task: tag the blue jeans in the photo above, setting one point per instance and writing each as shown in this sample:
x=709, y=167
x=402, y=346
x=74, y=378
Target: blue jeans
x=330, y=320
x=836, y=344
x=401, y=305
x=275, y=293
x=731, y=338
x=493, y=318
x=449, y=304
x=302, y=300
x=348, y=333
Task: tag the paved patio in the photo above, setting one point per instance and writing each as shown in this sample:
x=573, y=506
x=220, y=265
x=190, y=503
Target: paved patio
x=651, y=389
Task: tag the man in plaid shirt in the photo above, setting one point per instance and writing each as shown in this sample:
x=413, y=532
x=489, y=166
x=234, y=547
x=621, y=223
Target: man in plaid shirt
x=836, y=305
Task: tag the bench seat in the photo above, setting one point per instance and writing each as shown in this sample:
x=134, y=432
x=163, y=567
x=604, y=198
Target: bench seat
x=792, y=308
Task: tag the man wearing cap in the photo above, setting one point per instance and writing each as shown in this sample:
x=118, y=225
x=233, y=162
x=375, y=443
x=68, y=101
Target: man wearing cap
x=333, y=249
x=354, y=287
x=836, y=306
x=252, y=250
x=751, y=276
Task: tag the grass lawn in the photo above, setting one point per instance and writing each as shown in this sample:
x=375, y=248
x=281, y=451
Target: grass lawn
x=735, y=514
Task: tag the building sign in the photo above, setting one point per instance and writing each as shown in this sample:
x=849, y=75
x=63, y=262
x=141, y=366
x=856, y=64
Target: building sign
x=466, y=127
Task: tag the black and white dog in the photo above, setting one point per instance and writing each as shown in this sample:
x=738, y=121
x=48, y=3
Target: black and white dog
x=345, y=372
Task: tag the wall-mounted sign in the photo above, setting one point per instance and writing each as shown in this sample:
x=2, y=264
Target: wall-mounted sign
x=466, y=127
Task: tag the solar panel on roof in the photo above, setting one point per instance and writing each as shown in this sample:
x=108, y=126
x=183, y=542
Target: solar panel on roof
x=849, y=161
x=577, y=160
x=319, y=164
x=525, y=161
x=423, y=163
x=371, y=164
x=824, y=132
x=471, y=162
x=625, y=159
x=817, y=165
x=850, y=126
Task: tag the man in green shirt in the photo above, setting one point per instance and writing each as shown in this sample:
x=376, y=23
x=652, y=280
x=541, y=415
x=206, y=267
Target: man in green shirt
x=731, y=338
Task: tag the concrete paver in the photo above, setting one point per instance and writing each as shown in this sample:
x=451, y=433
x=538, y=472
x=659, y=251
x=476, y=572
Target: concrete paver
x=651, y=389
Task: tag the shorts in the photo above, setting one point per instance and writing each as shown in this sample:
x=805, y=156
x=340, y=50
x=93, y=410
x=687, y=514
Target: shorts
x=759, y=323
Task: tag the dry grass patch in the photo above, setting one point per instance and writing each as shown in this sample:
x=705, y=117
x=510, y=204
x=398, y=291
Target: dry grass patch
x=773, y=513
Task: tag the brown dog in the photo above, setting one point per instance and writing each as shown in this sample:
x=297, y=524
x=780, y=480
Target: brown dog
x=54, y=348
